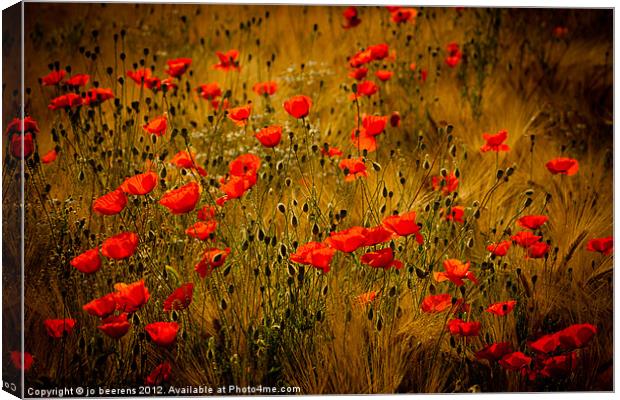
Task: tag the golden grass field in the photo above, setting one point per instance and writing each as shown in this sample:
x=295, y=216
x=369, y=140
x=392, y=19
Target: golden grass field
x=260, y=317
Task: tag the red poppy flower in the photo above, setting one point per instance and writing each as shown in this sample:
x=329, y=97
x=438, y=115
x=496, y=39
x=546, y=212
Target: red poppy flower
x=576, y=336
x=361, y=58
x=602, y=245
x=384, y=75
x=499, y=249
x=178, y=66
x=244, y=165
x=383, y=258
x=78, y=80
x=181, y=298
x=363, y=141
x=459, y=327
x=331, y=151
x=563, y=166
x=56, y=328
x=228, y=61
x=87, y=262
x=298, y=106
x=269, y=136
x=162, y=333
x=447, y=184
x=456, y=214
x=374, y=124
x=53, y=78
x=131, y=297
x=17, y=143
x=436, y=303
x=351, y=18
x=319, y=255
x=537, y=250
x=240, y=115
x=69, y=100
x=404, y=14
x=347, y=240
x=235, y=186
x=365, y=88
x=366, y=298
x=206, y=213
x=17, y=125
x=494, y=352
x=159, y=375
x=558, y=366
x=157, y=126
x=454, y=55
x=115, y=326
x=532, y=222
x=455, y=272
x=379, y=51
x=186, y=159
x=353, y=168
x=181, y=200
x=16, y=360
x=502, y=308
x=101, y=307
x=495, y=142
x=140, y=184
x=111, y=203
x=545, y=344
x=515, y=361
x=209, y=91
x=211, y=259
x=140, y=76
x=97, y=96
x=152, y=82
x=376, y=235
x=168, y=84
x=404, y=225
x=525, y=238
x=201, y=230
x=265, y=88
x=49, y=157
x=358, y=73
x=120, y=246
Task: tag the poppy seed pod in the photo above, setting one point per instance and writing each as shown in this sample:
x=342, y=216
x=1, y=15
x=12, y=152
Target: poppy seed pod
x=443, y=172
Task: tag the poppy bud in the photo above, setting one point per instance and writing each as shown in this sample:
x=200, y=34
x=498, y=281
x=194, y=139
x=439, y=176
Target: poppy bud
x=470, y=243
x=294, y=221
x=500, y=173
x=376, y=166
x=528, y=202
x=529, y=192
x=448, y=201
x=510, y=171
x=281, y=208
x=453, y=151
x=443, y=172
